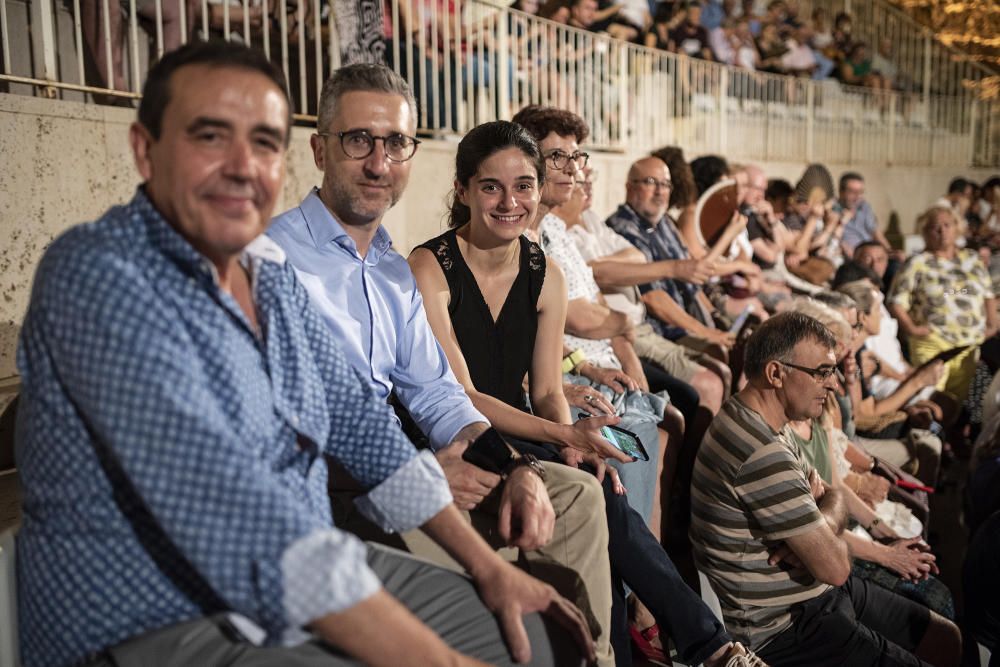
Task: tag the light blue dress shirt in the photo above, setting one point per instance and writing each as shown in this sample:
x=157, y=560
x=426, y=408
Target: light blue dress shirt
x=375, y=310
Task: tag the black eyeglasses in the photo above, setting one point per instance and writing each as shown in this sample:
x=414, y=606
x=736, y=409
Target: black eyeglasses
x=651, y=182
x=359, y=144
x=823, y=373
x=559, y=159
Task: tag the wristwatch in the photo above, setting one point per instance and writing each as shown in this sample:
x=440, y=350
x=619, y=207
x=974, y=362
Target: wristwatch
x=528, y=460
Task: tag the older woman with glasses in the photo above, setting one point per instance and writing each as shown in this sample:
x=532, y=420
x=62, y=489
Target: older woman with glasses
x=944, y=300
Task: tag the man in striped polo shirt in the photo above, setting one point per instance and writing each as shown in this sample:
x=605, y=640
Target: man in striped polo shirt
x=766, y=530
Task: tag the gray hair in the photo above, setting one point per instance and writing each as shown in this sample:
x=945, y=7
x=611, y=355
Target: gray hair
x=861, y=291
x=363, y=77
x=825, y=315
x=775, y=339
x=837, y=300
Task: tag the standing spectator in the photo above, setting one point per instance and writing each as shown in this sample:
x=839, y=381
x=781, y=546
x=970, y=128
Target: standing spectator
x=690, y=38
x=712, y=14
x=859, y=221
x=943, y=298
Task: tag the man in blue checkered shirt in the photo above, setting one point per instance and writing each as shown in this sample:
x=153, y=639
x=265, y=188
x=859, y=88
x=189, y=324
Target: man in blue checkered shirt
x=179, y=394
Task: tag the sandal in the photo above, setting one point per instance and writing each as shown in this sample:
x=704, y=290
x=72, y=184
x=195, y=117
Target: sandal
x=643, y=639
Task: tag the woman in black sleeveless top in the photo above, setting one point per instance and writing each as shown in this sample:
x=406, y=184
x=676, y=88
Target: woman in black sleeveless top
x=498, y=312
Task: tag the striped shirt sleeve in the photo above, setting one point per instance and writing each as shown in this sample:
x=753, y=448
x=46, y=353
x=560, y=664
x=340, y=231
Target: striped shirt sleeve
x=772, y=486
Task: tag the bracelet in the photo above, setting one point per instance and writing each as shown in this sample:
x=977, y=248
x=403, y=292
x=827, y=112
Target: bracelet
x=572, y=361
x=876, y=521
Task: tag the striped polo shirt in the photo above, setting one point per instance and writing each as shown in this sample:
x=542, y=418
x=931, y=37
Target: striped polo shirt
x=750, y=491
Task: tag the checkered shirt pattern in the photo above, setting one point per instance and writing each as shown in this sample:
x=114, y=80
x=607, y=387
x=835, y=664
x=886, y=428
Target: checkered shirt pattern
x=171, y=459
x=658, y=243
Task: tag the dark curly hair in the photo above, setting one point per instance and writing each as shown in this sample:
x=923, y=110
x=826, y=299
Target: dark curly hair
x=707, y=171
x=540, y=121
x=684, y=192
x=479, y=144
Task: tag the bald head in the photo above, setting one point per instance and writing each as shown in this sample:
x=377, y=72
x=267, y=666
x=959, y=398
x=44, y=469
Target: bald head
x=648, y=188
x=756, y=185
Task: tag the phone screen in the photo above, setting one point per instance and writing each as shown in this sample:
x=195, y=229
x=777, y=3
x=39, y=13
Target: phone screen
x=625, y=442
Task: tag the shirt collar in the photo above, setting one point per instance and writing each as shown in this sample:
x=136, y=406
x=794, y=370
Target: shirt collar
x=325, y=228
x=167, y=240
x=627, y=211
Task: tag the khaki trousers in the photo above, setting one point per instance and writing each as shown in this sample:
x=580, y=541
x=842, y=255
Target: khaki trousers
x=575, y=562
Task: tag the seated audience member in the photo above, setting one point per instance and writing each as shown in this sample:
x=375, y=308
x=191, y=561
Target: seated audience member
x=856, y=69
x=343, y=256
x=899, y=437
x=843, y=39
x=176, y=404
x=753, y=487
x=907, y=395
x=772, y=49
x=799, y=60
x=676, y=310
x=601, y=335
x=884, y=63
x=959, y=200
x=858, y=218
x=665, y=19
x=497, y=308
x=943, y=299
x=619, y=267
x=874, y=256
x=582, y=13
x=690, y=38
x=903, y=565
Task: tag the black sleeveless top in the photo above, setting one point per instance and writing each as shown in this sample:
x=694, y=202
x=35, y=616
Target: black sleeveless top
x=498, y=353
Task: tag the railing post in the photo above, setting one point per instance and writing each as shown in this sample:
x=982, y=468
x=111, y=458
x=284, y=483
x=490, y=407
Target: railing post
x=44, y=41
x=623, y=99
x=810, y=121
x=891, y=149
x=721, y=101
x=504, y=69
x=927, y=69
x=973, y=105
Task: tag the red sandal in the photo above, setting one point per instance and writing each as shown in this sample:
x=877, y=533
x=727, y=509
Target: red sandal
x=643, y=640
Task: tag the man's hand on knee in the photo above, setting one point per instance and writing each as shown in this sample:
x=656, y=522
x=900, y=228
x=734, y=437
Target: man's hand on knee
x=469, y=484
x=510, y=593
x=526, y=518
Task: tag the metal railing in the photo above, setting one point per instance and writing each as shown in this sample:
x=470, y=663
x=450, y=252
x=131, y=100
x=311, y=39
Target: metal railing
x=473, y=61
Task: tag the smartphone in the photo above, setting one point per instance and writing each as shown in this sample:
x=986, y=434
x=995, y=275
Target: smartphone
x=622, y=440
x=490, y=452
x=948, y=355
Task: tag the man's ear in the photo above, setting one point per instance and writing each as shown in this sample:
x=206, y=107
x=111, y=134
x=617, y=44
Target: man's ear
x=774, y=373
x=141, y=142
x=319, y=154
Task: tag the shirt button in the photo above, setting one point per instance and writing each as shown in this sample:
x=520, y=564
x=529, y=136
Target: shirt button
x=295, y=421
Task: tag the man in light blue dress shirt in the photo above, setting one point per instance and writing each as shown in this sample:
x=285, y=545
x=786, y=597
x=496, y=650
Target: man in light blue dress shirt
x=368, y=297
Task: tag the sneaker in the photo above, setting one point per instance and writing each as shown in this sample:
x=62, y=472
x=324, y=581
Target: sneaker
x=740, y=656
